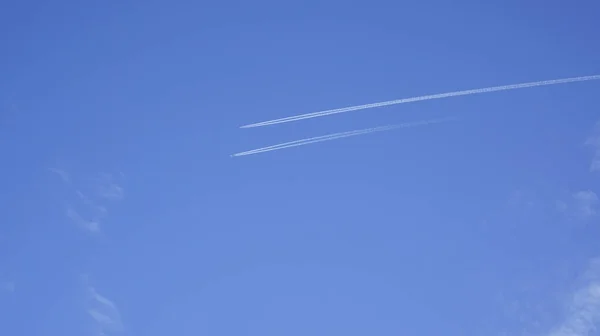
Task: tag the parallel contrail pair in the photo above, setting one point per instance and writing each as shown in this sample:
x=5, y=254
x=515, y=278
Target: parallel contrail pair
x=340, y=135
x=422, y=98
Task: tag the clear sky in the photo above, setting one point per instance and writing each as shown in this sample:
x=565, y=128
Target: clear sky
x=123, y=213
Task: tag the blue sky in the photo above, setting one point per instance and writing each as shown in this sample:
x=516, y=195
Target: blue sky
x=122, y=212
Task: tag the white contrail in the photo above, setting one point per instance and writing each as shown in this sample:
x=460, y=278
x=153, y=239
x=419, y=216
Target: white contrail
x=421, y=98
x=340, y=135
x=307, y=141
x=317, y=138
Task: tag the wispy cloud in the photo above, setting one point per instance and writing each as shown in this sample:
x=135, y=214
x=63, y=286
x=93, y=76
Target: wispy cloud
x=62, y=174
x=422, y=98
x=583, y=307
x=104, y=313
x=582, y=205
x=583, y=313
x=586, y=203
x=91, y=225
x=98, y=209
x=86, y=209
x=594, y=142
x=108, y=188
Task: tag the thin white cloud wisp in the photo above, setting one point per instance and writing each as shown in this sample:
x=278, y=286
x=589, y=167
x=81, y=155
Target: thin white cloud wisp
x=90, y=225
x=586, y=203
x=109, y=189
x=582, y=205
x=62, y=174
x=104, y=312
x=583, y=313
x=87, y=210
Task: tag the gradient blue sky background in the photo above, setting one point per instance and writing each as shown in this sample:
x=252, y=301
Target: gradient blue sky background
x=122, y=212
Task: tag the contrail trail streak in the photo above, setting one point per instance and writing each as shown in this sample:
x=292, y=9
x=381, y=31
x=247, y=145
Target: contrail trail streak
x=340, y=135
x=422, y=98
x=319, y=138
